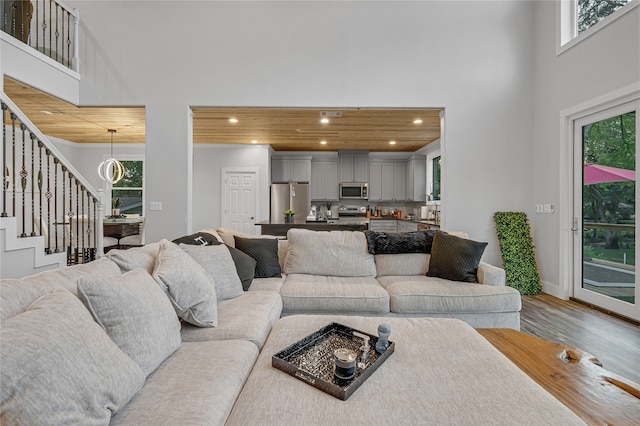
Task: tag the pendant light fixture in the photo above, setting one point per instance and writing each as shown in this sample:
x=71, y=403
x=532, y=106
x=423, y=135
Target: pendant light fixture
x=111, y=170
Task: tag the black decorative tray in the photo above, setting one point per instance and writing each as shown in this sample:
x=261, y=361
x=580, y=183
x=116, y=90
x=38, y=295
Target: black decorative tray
x=311, y=359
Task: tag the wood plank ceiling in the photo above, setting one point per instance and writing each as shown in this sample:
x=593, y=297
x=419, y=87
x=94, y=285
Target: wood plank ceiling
x=285, y=129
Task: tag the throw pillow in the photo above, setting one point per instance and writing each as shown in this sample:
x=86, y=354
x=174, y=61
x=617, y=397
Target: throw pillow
x=245, y=266
x=218, y=263
x=265, y=252
x=139, y=257
x=60, y=367
x=397, y=243
x=454, y=258
x=136, y=314
x=190, y=289
x=198, y=239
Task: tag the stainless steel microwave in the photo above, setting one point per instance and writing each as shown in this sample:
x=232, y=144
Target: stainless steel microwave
x=359, y=191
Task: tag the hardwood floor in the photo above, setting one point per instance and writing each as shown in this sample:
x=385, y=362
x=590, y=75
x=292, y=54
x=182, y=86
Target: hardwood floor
x=615, y=342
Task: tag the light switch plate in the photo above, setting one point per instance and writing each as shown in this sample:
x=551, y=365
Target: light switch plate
x=155, y=205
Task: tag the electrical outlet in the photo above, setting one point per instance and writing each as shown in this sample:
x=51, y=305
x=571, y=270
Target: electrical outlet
x=548, y=208
x=155, y=205
x=538, y=208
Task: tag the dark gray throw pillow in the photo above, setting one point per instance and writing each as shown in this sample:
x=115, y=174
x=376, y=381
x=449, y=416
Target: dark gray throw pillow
x=245, y=265
x=265, y=253
x=396, y=243
x=454, y=258
x=198, y=239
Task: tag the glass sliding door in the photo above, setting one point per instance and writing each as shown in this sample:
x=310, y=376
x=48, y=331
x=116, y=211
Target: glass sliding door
x=605, y=193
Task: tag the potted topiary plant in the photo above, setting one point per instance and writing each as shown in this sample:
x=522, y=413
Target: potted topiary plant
x=288, y=216
x=115, y=207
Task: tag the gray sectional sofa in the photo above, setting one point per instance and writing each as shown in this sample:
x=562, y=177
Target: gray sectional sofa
x=166, y=335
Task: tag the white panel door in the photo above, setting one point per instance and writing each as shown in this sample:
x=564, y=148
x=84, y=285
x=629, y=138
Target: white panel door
x=240, y=196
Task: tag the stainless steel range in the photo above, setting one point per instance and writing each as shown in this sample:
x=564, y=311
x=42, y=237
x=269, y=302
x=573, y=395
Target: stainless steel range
x=353, y=214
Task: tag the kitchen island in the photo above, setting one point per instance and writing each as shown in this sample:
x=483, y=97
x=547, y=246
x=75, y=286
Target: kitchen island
x=279, y=228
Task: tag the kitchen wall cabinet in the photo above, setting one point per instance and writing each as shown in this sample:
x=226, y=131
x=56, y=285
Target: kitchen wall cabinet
x=291, y=169
x=324, y=180
x=387, y=181
x=417, y=179
x=354, y=167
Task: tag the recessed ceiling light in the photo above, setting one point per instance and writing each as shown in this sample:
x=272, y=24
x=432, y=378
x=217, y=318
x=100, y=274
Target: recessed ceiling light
x=392, y=142
x=417, y=121
x=323, y=142
x=324, y=120
x=233, y=120
x=254, y=141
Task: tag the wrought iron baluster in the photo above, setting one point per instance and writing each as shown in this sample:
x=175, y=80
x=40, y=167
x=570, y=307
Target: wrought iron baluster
x=50, y=26
x=29, y=16
x=71, y=214
x=55, y=204
x=5, y=170
x=13, y=169
x=69, y=39
x=33, y=187
x=48, y=196
x=81, y=220
x=23, y=180
x=57, y=33
x=95, y=223
x=65, y=246
x=37, y=24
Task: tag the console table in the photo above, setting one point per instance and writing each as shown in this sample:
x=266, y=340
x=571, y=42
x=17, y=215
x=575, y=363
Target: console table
x=574, y=377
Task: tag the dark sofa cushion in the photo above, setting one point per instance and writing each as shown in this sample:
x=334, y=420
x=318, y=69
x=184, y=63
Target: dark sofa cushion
x=396, y=243
x=454, y=258
x=264, y=251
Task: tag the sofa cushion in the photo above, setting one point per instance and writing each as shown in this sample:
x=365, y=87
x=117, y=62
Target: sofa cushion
x=454, y=258
x=190, y=289
x=217, y=261
x=248, y=317
x=402, y=264
x=265, y=253
x=431, y=295
x=134, y=258
x=267, y=284
x=16, y=295
x=336, y=253
x=59, y=366
x=302, y=293
x=395, y=243
x=136, y=314
x=197, y=385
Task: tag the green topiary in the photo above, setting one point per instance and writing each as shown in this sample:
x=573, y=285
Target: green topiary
x=518, y=257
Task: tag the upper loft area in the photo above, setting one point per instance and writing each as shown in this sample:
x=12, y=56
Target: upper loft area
x=39, y=43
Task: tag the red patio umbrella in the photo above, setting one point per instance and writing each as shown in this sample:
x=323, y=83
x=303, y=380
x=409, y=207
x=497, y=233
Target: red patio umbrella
x=595, y=173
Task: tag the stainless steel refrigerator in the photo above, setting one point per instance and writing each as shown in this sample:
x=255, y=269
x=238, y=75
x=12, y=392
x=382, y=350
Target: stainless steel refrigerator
x=289, y=196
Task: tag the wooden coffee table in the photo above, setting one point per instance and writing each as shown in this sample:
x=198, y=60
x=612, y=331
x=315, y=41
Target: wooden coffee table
x=573, y=376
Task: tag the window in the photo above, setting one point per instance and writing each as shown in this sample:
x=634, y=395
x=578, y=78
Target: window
x=590, y=12
x=579, y=19
x=130, y=189
x=436, y=162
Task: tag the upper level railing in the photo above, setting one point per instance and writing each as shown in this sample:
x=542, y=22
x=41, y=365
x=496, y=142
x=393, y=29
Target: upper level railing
x=45, y=193
x=48, y=26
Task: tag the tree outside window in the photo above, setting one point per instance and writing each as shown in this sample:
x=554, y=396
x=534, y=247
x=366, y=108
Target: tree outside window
x=436, y=177
x=590, y=12
x=130, y=188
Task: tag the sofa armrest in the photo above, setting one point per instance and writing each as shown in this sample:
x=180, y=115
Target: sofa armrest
x=491, y=275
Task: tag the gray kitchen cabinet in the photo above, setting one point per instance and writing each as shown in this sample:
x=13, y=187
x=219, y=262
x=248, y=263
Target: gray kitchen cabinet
x=387, y=181
x=417, y=179
x=383, y=225
x=354, y=167
x=324, y=180
x=291, y=169
x=406, y=226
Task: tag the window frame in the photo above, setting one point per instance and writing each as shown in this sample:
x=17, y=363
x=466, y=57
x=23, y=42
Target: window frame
x=567, y=23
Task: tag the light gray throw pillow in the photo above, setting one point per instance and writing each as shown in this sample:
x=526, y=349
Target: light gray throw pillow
x=60, y=367
x=218, y=263
x=138, y=257
x=191, y=290
x=136, y=314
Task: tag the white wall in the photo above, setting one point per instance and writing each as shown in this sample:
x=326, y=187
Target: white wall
x=606, y=61
x=473, y=58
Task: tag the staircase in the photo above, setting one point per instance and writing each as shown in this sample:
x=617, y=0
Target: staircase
x=50, y=216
